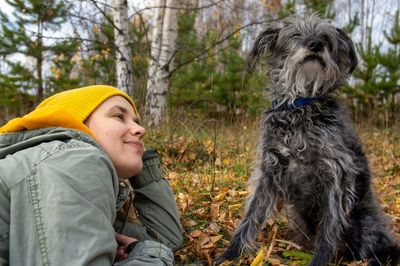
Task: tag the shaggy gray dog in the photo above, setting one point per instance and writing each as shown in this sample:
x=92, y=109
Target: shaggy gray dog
x=308, y=154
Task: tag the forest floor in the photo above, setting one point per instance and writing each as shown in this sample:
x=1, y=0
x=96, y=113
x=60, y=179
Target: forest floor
x=208, y=166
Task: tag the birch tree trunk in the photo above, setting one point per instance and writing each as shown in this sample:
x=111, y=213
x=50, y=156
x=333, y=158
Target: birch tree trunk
x=122, y=42
x=163, y=46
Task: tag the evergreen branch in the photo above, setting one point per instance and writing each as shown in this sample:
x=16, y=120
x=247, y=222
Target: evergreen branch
x=227, y=37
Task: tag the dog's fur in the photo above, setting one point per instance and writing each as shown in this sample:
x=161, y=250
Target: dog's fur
x=310, y=156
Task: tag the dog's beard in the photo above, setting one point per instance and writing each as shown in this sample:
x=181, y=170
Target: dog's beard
x=308, y=75
x=309, y=78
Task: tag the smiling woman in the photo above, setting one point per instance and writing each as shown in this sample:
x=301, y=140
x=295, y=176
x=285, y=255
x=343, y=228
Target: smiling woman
x=115, y=125
x=62, y=171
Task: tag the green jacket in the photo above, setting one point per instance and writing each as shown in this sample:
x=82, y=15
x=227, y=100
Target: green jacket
x=59, y=194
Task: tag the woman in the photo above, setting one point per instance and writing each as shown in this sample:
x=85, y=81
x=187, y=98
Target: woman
x=62, y=171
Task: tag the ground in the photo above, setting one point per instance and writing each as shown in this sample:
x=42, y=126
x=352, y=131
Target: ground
x=208, y=167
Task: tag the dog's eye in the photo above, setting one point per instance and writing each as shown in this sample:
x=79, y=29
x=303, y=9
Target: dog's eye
x=295, y=35
x=327, y=41
x=325, y=38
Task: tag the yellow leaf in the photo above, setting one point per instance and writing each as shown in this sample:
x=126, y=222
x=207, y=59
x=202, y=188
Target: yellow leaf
x=243, y=193
x=226, y=162
x=53, y=69
x=220, y=196
x=215, y=15
x=259, y=258
x=23, y=10
x=95, y=28
x=234, y=207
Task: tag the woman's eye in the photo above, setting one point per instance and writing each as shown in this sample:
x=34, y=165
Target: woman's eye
x=119, y=116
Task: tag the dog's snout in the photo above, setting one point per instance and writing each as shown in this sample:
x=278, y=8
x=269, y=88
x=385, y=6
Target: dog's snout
x=316, y=45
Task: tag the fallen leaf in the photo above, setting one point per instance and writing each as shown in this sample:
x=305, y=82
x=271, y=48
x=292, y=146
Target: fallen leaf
x=258, y=261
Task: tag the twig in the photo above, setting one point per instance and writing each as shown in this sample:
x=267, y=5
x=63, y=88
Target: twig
x=394, y=159
x=274, y=229
x=289, y=243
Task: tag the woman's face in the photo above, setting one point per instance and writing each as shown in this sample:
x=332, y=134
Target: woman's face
x=115, y=125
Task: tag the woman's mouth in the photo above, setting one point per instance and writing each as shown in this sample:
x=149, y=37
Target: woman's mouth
x=136, y=144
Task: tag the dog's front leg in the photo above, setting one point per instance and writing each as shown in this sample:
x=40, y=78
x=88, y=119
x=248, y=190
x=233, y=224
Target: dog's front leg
x=330, y=227
x=260, y=205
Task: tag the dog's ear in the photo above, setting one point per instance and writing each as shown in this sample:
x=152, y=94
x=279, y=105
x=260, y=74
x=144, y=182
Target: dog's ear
x=264, y=44
x=346, y=46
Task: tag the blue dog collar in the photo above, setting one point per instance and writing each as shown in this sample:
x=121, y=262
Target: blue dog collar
x=296, y=103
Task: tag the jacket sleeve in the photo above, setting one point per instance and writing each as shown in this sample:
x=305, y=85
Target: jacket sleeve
x=149, y=253
x=156, y=206
x=75, y=195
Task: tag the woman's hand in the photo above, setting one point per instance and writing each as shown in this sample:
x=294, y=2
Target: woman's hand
x=123, y=242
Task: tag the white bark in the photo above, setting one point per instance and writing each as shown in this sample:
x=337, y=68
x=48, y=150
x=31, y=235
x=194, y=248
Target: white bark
x=163, y=46
x=122, y=42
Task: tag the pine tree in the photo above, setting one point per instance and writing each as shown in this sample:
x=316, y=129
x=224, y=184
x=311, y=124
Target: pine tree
x=214, y=84
x=323, y=8
x=24, y=34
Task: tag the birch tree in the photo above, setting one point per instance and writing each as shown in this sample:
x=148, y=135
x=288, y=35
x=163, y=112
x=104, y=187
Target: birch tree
x=122, y=43
x=163, y=48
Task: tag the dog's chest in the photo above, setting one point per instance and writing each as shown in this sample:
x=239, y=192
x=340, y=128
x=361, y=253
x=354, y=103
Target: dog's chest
x=295, y=136
x=302, y=141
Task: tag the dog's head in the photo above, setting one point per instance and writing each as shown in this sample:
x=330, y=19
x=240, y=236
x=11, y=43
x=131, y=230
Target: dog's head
x=305, y=58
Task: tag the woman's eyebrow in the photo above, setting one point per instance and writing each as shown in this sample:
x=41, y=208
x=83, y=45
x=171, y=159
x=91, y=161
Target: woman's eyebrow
x=120, y=108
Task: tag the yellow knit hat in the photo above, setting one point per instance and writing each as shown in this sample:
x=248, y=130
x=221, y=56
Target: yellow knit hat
x=66, y=109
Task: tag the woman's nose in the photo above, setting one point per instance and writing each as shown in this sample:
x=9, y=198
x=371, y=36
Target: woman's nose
x=137, y=130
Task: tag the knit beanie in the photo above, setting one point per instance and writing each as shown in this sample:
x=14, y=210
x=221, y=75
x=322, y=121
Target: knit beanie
x=67, y=109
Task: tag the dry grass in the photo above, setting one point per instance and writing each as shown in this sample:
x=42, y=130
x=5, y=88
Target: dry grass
x=208, y=165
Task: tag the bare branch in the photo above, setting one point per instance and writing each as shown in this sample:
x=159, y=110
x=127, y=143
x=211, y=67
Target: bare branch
x=227, y=37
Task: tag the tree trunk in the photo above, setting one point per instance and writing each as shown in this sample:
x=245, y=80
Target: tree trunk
x=163, y=46
x=39, y=63
x=122, y=42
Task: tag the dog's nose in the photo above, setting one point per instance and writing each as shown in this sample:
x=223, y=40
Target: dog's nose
x=316, y=45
